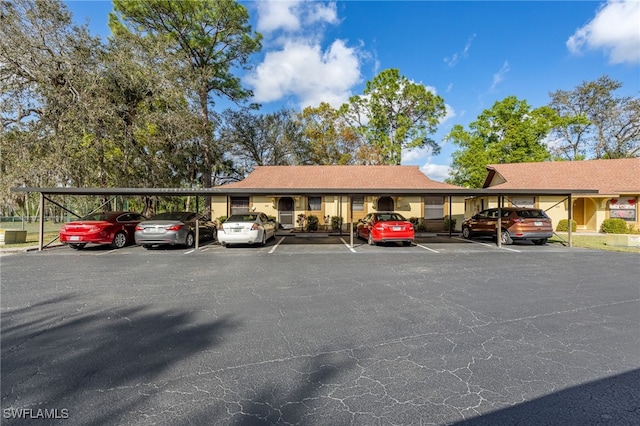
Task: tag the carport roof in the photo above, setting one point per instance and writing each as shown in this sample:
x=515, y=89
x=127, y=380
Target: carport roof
x=615, y=176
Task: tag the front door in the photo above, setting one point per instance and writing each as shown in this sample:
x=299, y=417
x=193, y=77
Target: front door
x=285, y=212
x=385, y=204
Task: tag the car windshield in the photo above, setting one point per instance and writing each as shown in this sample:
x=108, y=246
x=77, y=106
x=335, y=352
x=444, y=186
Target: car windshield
x=170, y=216
x=390, y=216
x=98, y=216
x=532, y=213
x=243, y=218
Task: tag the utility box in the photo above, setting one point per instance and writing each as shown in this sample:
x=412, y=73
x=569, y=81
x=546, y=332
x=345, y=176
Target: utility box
x=12, y=236
x=623, y=240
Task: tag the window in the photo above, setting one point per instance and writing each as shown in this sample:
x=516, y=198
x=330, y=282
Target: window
x=433, y=207
x=314, y=203
x=239, y=204
x=526, y=202
x=357, y=204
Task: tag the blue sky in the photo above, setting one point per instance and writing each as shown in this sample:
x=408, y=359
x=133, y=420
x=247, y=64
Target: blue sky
x=471, y=53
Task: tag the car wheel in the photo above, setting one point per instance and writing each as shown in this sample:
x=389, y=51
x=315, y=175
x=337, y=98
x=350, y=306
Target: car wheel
x=77, y=246
x=190, y=240
x=119, y=240
x=147, y=246
x=540, y=242
x=505, y=237
x=370, y=240
x=406, y=243
x=466, y=232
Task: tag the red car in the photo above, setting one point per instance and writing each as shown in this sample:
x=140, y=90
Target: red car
x=384, y=227
x=115, y=228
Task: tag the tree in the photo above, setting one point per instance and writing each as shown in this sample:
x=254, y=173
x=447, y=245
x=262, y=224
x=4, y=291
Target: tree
x=202, y=43
x=509, y=132
x=328, y=139
x=595, y=123
x=261, y=140
x=47, y=70
x=395, y=114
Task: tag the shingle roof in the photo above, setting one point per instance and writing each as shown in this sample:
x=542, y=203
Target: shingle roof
x=338, y=177
x=607, y=176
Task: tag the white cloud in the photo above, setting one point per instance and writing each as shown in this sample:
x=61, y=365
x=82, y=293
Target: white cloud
x=290, y=15
x=615, y=29
x=499, y=76
x=453, y=60
x=297, y=64
x=320, y=12
x=437, y=172
x=301, y=69
x=277, y=15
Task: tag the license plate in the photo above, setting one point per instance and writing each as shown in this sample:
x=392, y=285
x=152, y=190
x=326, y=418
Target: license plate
x=537, y=223
x=397, y=228
x=74, y=238
x=236, y=229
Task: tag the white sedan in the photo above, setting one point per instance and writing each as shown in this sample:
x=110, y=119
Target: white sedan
x=247, y=228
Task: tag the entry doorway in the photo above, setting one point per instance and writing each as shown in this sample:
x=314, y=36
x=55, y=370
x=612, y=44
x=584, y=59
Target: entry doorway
x=286, y=212
x=385, y=204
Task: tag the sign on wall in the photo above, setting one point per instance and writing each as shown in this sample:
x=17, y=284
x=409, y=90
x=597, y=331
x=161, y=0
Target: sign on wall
x=623, y=208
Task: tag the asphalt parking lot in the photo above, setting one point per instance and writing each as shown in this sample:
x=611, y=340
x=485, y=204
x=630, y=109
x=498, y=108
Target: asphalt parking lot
x=312, y=331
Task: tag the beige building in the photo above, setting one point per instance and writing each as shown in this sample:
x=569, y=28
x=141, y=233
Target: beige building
x=349, y=192
x=617, y=183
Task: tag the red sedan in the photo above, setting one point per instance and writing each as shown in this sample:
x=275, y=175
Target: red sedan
x=386, y=227
x=115, y=228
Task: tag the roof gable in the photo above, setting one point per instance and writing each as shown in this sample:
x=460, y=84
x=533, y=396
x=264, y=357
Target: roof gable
x=355, y=177
x=607, y=176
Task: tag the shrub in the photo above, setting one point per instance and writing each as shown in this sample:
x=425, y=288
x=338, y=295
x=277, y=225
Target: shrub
x=312, y=223
x=302, y=218
x=563, y=225
x=336, y=223
x=421, y=226
x=449, y=223
x=220, y=221
x=614, y=226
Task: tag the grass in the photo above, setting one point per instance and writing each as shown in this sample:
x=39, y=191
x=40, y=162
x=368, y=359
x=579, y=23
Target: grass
x=51, y=231
x=595, y=242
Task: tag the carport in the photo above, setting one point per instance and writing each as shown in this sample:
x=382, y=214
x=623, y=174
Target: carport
x=501, y=195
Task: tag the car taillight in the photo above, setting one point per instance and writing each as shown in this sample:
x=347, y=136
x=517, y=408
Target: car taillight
x=174, y=227
x=255, y=227
x=139, y=227
x=379, y=228
x=518, y=220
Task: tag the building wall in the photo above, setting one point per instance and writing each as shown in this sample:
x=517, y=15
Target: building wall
x=334, y=205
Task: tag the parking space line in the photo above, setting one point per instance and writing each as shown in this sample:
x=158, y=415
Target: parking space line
x=106, y=252
x=348, y=246
x=487, y=245
x=427, y=248
x=276, y=245
x=189, y=251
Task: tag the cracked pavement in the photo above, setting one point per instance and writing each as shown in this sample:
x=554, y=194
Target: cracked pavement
x=390, y=337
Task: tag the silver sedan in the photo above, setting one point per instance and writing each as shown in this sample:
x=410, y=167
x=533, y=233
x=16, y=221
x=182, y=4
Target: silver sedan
x=173, y=228
x=247, y=228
